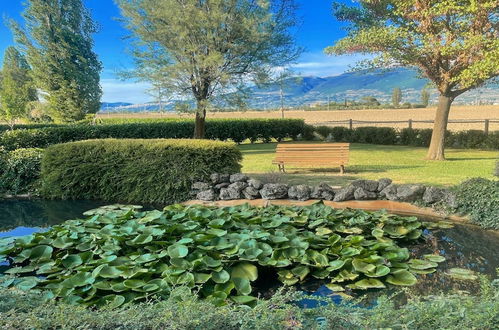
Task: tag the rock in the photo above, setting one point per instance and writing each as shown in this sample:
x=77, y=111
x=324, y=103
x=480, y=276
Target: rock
x=239, y=177
x=221, y=185
x=361, y=194
x=301, y=192
x=200, y=186
x=218, y=178
x=323, y=191
x=251, y=193
x=383, y=183
x=450, y=199
x=274, y=191
x=257, y=184
x=389, y=192
x=368, y=185
x=433, y=195
x=239, y=186
x=345, y=194
x=410, y=192
x=227, y=194
x=207, y=195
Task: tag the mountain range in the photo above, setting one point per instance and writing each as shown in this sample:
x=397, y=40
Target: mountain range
x=351, y=86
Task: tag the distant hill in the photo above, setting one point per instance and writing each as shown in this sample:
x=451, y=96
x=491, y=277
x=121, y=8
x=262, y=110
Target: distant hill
x=308, y=90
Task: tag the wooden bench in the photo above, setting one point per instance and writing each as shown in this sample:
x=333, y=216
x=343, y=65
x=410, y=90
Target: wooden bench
x=312, y=154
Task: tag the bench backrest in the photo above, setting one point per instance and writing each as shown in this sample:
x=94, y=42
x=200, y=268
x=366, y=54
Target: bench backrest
x=320, y=153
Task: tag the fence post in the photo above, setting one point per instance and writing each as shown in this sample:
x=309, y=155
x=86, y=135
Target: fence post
x=410, y=123
x=486, y=128
x=351, y=124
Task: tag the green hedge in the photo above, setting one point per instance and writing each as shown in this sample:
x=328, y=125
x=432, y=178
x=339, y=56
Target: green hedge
x=479, y=198
x=147, y=171
x=219, y=129
x=5, y=128
x=19, y=170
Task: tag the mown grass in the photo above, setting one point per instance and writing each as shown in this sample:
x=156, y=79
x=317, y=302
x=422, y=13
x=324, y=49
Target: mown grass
x=400, y=163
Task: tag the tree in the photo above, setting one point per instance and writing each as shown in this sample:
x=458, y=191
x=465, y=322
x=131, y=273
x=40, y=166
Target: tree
x=425, y=97
x=204, y=49
x=396, y=97
x=57, y=39
x=16, y=87
x=454, y=43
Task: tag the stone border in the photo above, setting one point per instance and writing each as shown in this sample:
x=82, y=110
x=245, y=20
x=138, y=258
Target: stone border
x=226, y=187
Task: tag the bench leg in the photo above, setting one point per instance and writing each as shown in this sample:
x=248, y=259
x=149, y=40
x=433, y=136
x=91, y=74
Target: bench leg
x=281, y=168
x=342, y=169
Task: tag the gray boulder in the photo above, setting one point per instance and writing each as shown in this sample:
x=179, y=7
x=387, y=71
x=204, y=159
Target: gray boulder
x=218, y=178
x=323, y=191
x=227, y=194
x=274, y=191
x=361, y=194
x=389, y=192
x=301, y=192
x=239, y=177
x=410, y=192
x=251, y=193
x=207, y=195
x=450, y=199
x=367, y=185
x=257, y=184
x=239, y=186
x=433, y=195
x=200, y=186
x=345, y=194
x=221, y=185
x=383, y=183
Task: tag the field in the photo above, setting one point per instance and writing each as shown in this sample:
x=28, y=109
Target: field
x=400, y=163
x=322, y=117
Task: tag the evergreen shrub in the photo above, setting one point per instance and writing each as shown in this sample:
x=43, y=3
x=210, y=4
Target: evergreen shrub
x=146, y=171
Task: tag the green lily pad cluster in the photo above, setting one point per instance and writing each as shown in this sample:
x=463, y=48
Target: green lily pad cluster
x=120, y=254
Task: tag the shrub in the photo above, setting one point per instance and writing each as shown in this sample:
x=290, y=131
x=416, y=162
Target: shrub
x=20, y=170
x=415, y=137
x=374, y=135
x=338, y=133
x=472, y=139
x=5, y=128
x=479, y=198
x=219, y=129
x=149, y=171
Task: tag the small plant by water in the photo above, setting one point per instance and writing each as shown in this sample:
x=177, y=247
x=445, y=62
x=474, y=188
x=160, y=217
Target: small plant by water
x=120, y=254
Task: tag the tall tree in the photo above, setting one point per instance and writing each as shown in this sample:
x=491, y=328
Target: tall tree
x=454, y=43
x=204, y=49
x=396, y=97
x=425, y=97
x=57, y=39
x=16, y=87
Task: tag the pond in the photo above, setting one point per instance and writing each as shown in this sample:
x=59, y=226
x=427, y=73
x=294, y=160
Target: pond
x=463, y=246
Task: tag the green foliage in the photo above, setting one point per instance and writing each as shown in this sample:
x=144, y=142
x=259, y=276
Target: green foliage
x=120, y=254
x=375, y=135
x=58, y=41
x=16, y=87
x=4, y=128
x=184, y=310
x=396, y=97
x=20, y=170
x=479, y=198
x=425, y=97
x=217, y=129
x=149, y=171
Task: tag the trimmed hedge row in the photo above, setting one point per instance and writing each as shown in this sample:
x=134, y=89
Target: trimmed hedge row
x=19, y=170
x=5, y=128
x=146, y=171
x=223, y=129
x=472, y=139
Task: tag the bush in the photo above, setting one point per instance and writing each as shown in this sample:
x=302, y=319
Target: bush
x=479, y=198
x=20, y=170
x=415, y=137
x=374, y=135
x=149, y=171
x=219, y=129
x=5, y=128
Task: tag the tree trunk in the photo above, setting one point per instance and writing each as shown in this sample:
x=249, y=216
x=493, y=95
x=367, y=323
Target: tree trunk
x=437, y=144
x=199, y=128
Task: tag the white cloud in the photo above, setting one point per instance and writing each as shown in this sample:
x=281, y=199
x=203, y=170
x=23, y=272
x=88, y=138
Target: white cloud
x=322, y=65
x=125, y=91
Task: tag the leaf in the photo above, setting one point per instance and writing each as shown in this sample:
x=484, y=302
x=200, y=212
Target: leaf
x=301, y=272
x=71, y=261
x=27, y=283
x=336, y=264
x=220, y=277
x=178, y=251
x=242, y=285
x=365, y=284
x=434, y=258
x=41, y=253
x=421, y=264
x=401, y=277
x=461, y=274
x=244, y=270
x=243, y=299
x=109, y=272
x=362, y=266
x=112, y=301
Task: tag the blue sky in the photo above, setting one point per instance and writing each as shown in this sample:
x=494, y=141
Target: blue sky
x=318, y=30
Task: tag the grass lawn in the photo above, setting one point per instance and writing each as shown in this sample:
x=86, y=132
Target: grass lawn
x=400, y=163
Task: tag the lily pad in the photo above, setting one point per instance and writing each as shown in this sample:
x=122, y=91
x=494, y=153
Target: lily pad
x=462, y=274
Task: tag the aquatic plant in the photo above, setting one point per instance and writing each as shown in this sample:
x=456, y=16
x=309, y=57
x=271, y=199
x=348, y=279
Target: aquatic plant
x=120, y=254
